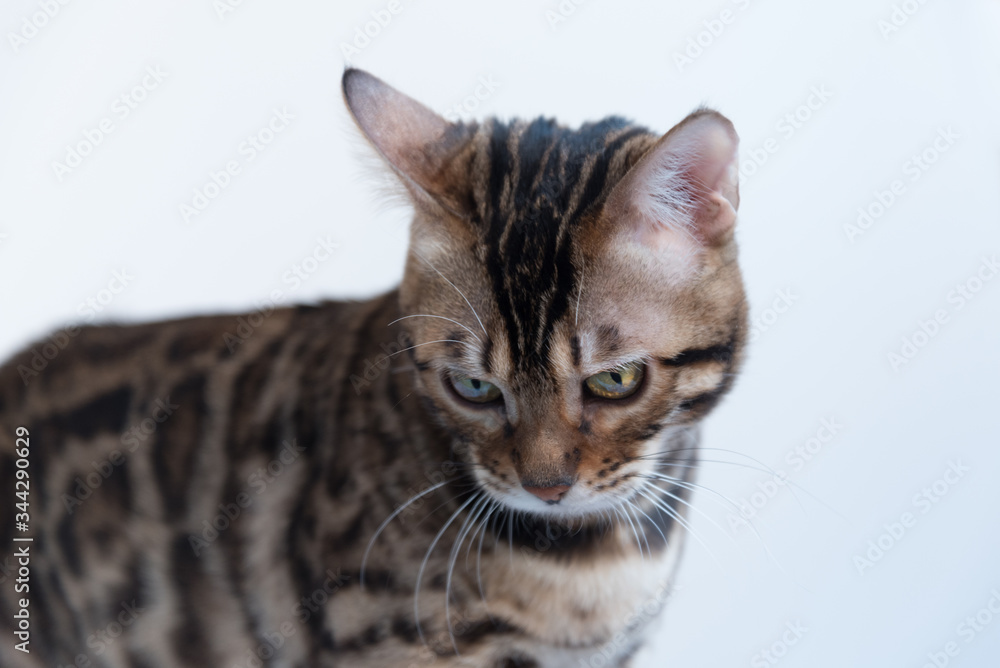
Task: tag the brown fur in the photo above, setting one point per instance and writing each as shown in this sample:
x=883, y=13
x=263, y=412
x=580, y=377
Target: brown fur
x=533, y=265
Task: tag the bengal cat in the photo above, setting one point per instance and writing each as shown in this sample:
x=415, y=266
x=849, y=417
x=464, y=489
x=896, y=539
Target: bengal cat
x=488, y=466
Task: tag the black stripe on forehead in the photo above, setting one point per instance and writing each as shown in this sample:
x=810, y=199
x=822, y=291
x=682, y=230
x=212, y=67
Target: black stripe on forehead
x=530, y=218
x=598, y=179
x=499, y=161
x=565, y=275
x=538, y=141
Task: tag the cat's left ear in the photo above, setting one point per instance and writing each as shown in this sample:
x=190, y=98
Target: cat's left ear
x=684, y=192
x=418, y=144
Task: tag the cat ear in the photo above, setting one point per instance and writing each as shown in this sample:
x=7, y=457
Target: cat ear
x=417, y=143
x=684, y=191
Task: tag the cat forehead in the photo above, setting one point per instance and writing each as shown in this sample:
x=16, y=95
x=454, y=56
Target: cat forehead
x=536, y=225
x=539, y=173
x=533, y=183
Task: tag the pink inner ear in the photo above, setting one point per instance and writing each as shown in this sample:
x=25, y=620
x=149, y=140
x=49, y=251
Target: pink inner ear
x=685, y=190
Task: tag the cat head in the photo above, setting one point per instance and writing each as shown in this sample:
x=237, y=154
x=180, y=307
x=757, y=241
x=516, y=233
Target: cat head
x=573, y=296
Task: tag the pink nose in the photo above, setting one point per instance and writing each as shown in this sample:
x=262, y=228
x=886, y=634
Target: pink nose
x=548, y=494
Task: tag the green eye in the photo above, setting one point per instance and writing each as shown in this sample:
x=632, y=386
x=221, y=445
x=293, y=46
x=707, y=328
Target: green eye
x=475, y=390
x=617, y=383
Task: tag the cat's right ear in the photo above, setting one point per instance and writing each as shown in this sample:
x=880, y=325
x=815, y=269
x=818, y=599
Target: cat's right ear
x=419, y=144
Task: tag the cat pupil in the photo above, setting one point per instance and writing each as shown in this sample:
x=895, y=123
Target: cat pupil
x=475, y=383
x=617, y=377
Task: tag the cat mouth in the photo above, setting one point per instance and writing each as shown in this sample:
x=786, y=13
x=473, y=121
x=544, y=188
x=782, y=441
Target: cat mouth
x=577, y=521
x=576, y=502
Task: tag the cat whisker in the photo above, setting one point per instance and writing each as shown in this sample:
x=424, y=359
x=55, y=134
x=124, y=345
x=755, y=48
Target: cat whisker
x=763, y=468
x=497, y=526
x=692, y=507
x=746, y=520
x=510, y=536
x=484, y=523
x=655, y=525
x=427, y=343
x=423, y=565
x=479, y=560
x=453, y=557
x=385, y=523
x=579, y=293
x=667, y=459
x=427, y=315
x=638, y=524
x=415, y=252
x=472, y=489
x=693, y=486
x=732, y=452
x=609, y=521
x=621, y=511
x=642, y=534
x=673, y=513
x=475, y=531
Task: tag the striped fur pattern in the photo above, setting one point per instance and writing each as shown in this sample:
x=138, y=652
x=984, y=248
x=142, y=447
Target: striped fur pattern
x=304, y=486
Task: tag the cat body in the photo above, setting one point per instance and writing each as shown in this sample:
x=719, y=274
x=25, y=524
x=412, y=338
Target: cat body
x=489, y=466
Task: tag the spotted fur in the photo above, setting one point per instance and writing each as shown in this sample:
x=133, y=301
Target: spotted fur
x=303, y=487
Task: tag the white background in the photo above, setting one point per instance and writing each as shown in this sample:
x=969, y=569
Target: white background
x=825, y=357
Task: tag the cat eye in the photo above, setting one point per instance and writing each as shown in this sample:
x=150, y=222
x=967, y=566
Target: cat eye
x=617, y=383
x=473, y=389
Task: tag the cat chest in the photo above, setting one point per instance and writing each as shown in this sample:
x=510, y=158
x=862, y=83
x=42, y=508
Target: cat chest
x=587, y=604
